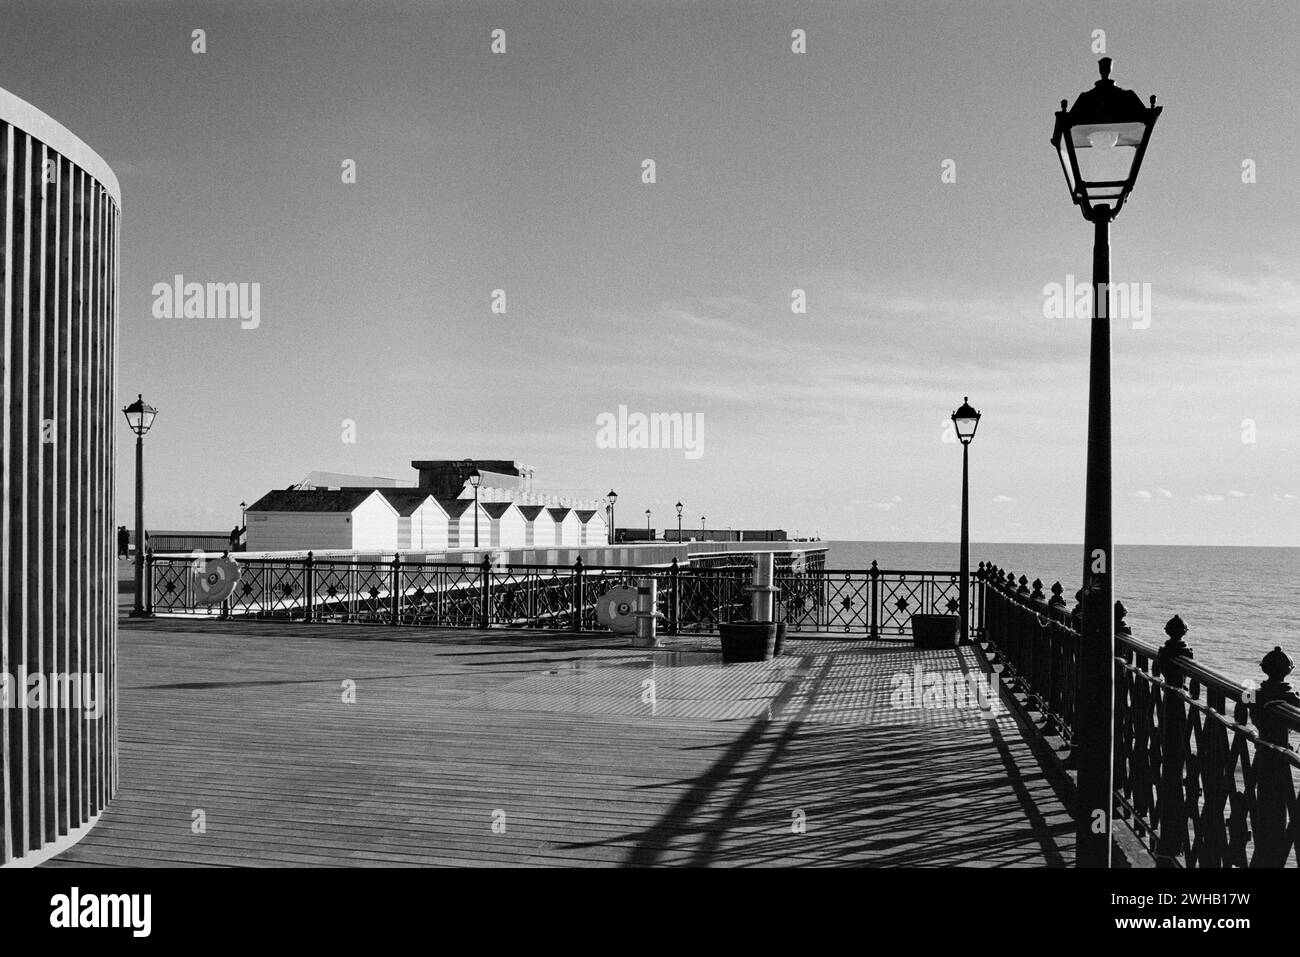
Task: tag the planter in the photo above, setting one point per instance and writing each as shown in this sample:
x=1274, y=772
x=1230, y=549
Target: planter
x=936, y=631
x=751, y=640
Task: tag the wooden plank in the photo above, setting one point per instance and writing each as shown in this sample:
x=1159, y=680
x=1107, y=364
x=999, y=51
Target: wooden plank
x=248, y=725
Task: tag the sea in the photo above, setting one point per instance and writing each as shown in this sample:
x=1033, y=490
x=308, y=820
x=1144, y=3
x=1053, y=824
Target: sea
x=1238, y=603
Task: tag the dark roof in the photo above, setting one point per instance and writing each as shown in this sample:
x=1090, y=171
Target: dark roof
x=311, y=500
x=454, y=507
x=404, y=500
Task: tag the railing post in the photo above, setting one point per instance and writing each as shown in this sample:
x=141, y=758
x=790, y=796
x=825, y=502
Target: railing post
x=674, y=605
x=484, y=596
x=989, y=599
x=1273, y=771
x=1173, y=735
x=875, y=599
x=1015, y=619
x=148, y=582
x=578, y=601
x=395, y=590
x=309, y=587
x=979, y=597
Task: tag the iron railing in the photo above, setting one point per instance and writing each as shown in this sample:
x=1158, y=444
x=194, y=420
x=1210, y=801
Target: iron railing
x=1197, y=782
x=696, y=598
x=875, y=602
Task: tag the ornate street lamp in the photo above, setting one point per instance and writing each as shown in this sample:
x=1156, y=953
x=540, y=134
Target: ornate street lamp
x=648, y=534
x=679, y=522
x=965, y=420
x=703, y=534
x=611, y=498
x=139, y=416
x=1100, y=141
x=475, y=479
x=243, y=514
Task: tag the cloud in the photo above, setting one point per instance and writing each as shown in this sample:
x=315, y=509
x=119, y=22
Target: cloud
x=883, y=506
x=1142, y=493
x=1003, y=498
x=1208, y=498
x=1235, y=494
x=1164, y=493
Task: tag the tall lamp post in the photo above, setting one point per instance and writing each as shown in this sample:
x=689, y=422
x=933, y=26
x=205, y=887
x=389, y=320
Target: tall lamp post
x=139, y=415
x=965, y=420
x=679, y=522
x=243, y=514
x=648, y=534
x=1100, y=142
x=475, y=479
x=611, y=498
x=702, y=532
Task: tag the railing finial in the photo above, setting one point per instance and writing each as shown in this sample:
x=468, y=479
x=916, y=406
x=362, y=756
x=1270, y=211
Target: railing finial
x=1173, y=649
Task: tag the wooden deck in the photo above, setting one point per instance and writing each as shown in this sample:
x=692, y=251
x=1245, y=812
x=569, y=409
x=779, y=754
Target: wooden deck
x=558, y=738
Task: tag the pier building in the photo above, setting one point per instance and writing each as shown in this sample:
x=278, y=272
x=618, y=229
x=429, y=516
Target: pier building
x=58, y=396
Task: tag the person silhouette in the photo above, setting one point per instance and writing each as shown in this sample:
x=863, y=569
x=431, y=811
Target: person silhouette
x=123, y=541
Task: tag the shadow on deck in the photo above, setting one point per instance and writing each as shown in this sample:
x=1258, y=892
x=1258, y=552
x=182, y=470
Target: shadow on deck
x=510, y=749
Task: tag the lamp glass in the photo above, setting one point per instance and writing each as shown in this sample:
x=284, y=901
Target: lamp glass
x=140, y=415
x=966, y=427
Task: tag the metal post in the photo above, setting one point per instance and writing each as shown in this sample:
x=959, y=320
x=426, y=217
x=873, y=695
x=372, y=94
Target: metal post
x=647, y=600
x=1096, y=692
x=148, y=591
x=484, y=587
x=476, y=516
x=875, y=600
x=395, y=591
x=964, y=588
x=309, y=587
x=139, y=610
x=674, y=606
x=578, y=599
x=762, y=590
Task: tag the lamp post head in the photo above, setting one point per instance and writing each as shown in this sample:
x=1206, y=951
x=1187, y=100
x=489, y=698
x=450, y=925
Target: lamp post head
x=966, y=420
x=679, y=509
x=1100, y=142
x=475, y=479
x=612, y=497
x=139, y=415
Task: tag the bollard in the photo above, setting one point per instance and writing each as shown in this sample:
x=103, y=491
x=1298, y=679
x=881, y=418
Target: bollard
x=762, y=590
x=647, y=601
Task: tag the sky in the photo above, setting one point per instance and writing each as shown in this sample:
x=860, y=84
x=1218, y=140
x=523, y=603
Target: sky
x=821, y=171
